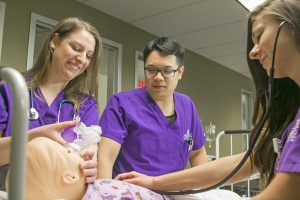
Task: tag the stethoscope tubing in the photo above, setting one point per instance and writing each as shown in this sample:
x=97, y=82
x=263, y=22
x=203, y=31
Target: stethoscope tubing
x=34, y=114
x=256, y=135
x=60, y=107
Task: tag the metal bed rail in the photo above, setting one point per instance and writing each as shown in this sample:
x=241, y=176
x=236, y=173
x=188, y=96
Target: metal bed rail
x=232, y=133
x=19, y=129
x=229, y=132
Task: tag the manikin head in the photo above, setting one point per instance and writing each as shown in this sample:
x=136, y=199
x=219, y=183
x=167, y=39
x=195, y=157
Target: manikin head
x=53, y=171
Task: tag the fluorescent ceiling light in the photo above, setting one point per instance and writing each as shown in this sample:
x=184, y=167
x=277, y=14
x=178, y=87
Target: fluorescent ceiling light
x=250, y=4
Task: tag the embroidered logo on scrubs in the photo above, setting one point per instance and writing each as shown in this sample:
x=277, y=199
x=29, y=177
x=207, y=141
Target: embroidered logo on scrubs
x=188, y=139
x=293, y=133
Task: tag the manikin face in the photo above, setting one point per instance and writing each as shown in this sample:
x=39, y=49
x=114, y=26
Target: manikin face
x=53, y=171
x=264, y=31
x=72, y=55
x=158, y=87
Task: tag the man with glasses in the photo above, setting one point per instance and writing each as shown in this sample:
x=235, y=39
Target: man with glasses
x=153, y=130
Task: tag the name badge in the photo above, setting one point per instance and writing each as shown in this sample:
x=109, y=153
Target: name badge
x=277, y=145
x=188, y=139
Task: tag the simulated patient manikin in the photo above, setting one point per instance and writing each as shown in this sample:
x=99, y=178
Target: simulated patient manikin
x=53, y=170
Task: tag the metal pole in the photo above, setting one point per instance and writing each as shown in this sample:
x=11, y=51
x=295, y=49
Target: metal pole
x=19, y=129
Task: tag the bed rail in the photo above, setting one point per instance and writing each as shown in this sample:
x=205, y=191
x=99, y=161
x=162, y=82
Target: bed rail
x=232, y=133
x=19, y=129
x=229, y=132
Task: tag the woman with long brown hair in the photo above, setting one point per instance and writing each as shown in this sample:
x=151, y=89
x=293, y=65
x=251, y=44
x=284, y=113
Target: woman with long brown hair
x=276, y=112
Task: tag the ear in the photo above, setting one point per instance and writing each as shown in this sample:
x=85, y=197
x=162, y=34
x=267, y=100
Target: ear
x=70, y=178
x=54, y=40
x=180, y=72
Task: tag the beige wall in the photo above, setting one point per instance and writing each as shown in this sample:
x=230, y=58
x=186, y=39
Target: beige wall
x=215, y=90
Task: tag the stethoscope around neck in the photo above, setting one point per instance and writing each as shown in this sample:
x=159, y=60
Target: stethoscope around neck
x=34, y=114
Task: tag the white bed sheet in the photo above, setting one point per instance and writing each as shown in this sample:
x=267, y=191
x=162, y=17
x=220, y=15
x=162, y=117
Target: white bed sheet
x=217, y=194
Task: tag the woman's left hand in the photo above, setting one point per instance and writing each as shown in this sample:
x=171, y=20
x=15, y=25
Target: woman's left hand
x=89, y=166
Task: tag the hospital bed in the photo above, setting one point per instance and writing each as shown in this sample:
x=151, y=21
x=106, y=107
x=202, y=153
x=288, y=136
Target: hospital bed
x=248, y=187
x=19, y=129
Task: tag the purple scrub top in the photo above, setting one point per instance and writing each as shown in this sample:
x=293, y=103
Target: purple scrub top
x=5, y=108
x=148, y=143
x=88, y=112
x=289, y=160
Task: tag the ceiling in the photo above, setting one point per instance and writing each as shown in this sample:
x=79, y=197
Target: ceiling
x=215, y=29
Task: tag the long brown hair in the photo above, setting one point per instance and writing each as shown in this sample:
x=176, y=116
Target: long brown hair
x=286, y=101
x=85, y=83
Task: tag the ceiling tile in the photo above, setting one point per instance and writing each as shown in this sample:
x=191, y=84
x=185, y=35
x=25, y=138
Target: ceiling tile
x=215, y=29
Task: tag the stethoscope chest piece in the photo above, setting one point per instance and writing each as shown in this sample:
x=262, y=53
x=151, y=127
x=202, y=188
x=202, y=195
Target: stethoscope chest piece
x=33, y=114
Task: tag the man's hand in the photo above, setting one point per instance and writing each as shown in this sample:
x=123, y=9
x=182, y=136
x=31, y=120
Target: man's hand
x=137, y=179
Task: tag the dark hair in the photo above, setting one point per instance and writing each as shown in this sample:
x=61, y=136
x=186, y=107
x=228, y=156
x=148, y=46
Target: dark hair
x=286, y=101
x=166, y=46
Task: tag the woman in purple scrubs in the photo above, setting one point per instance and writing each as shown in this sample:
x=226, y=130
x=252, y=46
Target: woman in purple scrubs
x=61, y=85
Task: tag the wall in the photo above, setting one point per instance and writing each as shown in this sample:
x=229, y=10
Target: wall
x=215, y=89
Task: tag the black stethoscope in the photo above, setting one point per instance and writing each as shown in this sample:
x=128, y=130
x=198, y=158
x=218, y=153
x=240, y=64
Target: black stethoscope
x=256, y=134
x=34, y=114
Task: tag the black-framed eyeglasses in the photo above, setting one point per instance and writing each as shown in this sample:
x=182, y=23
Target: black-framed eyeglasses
x=166, y=73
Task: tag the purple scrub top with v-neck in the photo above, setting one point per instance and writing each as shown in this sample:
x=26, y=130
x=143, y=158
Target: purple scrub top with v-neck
x=148, y=143
x=88, y=112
